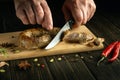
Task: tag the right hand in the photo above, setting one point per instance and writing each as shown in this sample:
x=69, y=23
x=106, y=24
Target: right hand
x=34, y=12
x=80, y=10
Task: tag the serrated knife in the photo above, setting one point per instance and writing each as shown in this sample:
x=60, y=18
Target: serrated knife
x=56, y=39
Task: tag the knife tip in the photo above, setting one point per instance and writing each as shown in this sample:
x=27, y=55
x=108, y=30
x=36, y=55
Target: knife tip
x=46, y=48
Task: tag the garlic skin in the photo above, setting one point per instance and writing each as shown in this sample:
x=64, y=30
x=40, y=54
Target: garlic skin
x=3, y=64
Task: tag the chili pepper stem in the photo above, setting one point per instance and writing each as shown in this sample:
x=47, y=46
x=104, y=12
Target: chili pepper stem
x=98, y=63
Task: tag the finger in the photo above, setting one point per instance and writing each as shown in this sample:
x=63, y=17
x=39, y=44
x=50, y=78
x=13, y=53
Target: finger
x=22, y=16
x=66, y=13
x=48, y=22
x=85, y=17
x=77, y=15
x=39, y=13
x=30, y=14
x=91, y=11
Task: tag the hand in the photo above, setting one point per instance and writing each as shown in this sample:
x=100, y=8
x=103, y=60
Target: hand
x=81, y=10
x=34, y=12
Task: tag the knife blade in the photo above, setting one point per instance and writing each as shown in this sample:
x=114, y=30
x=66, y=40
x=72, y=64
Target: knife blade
x=56, y=39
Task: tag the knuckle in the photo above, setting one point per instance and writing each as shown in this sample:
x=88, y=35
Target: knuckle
x=23, y=18
x=84, y=21
x=74, y=1
x=90, y=6
x=75, y=4
x=20, y=16
x=93, y=6
x=79, y=18
x=44, y=1
x=31, y=16
x=33, y=1
x=40, y=12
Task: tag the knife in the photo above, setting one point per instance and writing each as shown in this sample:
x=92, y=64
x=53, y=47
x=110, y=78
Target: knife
x=56, y=39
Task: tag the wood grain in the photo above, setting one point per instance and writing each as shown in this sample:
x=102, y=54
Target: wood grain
x=61, y=48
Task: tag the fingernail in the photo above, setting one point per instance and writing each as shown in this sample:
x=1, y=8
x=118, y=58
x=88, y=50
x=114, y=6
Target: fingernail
x=25, y=23
x=49, y=28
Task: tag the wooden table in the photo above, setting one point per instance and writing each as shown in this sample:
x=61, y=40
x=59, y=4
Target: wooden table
x=77, y=66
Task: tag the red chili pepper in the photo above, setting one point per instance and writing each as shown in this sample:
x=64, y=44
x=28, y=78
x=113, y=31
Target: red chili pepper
x=107, y=51
x=116, y=52
x=42, y=65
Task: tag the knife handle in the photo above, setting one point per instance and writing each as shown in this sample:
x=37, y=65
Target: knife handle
x=71, y=22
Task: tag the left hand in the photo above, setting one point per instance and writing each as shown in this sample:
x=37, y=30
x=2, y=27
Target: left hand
x=81, y=10
x=34, y=11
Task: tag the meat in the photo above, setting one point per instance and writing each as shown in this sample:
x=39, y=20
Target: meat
x=82, y=38
x=77, y=37
x=96, y=42
x=36, y=37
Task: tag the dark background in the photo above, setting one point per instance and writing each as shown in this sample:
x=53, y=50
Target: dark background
x=9, y=22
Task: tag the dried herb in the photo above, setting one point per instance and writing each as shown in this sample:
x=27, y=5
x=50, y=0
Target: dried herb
x=91, y=57
x=15, y=50
x=2, y=70
x=3, y=51
x=76, y=55
x=12, y=36
x=35, y=60
x=24, y=65
x=51, y=60
x=3, y=64
x=7, y=45
x=59, y=59
x=38, y=64
x=81, y=57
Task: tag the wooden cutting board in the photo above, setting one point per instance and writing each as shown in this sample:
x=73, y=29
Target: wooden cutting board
x=61, y=48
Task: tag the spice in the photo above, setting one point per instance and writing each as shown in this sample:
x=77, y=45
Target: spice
x=82, y=57
x=107, y=51
x=3, y=64
x=8, y=45
x=12, y=36
x=116, y=52
x=24, y=65
x=91, y=57
x=76, y=55
x=2, y=70
x=51, y=60
x=38, y=64
x=42, y=65
x=17, y=51
x=59, y=59
x=3, y=51
x=35, y=60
